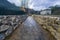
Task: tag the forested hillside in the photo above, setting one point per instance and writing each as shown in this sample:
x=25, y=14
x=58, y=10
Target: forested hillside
x=7, y=8
x=55, y=10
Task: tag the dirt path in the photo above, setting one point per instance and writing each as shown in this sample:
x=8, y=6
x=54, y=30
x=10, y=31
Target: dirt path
x=30, y=30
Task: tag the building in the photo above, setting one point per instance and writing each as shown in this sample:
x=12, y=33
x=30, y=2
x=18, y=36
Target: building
x=45, y=12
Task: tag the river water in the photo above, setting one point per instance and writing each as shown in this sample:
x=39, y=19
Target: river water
x=30, y=30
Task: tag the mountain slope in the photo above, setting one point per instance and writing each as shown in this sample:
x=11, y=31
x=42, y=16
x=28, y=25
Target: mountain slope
x=7, y=5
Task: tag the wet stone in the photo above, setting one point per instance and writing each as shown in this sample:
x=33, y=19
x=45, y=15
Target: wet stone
x=2, y=36
x=3, y=28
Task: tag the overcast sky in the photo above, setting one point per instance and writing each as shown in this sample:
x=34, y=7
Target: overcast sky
x=37, y=4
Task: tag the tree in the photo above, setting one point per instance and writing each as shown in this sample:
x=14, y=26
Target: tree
x=55, y=10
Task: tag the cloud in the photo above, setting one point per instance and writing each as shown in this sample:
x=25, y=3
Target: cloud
x=37, y=4
x=39, y=8
x=16, y=2
x=57, y=2
x=43, y=4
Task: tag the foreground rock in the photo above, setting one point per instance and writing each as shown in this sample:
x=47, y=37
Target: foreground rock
x=9, y=23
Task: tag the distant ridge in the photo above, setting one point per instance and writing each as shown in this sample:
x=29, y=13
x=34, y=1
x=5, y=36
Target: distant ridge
x=8, y=5
x=6, y=8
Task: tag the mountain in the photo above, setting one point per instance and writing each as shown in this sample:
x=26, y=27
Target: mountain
x=6, y=8
x=7, y=5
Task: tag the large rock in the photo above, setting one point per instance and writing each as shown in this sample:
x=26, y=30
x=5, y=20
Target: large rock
x=3, y=28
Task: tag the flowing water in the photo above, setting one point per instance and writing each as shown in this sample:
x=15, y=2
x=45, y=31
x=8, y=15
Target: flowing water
x=30, y=30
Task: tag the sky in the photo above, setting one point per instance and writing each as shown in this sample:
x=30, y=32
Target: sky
x=37, y=4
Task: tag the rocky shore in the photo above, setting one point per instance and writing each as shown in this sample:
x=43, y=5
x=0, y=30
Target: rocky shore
x=52, y=24
x=9, y=23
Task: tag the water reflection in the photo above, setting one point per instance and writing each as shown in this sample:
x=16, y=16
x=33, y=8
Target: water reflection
x=32, y=31
x=30, y=21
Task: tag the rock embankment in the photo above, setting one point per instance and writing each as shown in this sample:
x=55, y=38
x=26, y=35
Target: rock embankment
x=9, y=23
x=52, y=24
